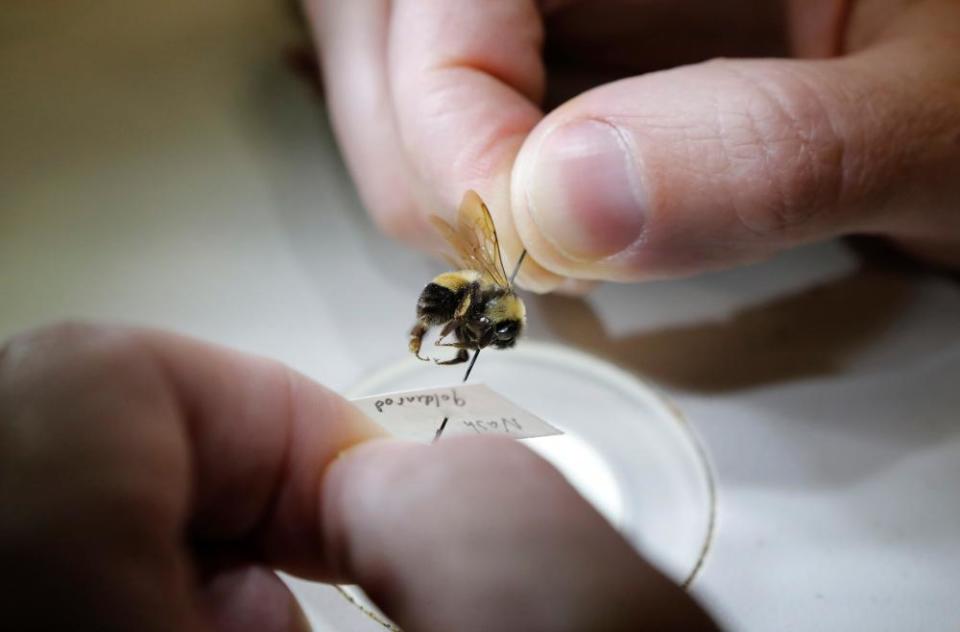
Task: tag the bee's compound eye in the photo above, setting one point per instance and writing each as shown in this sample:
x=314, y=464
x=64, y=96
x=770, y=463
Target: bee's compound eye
x=507, y=330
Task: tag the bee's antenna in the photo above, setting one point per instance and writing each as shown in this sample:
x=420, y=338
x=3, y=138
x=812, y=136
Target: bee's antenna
x=473, y=360
x=516, y=269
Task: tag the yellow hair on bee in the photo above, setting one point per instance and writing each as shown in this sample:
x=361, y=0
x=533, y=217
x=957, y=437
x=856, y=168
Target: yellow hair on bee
x=456, y=280
x=506, y=307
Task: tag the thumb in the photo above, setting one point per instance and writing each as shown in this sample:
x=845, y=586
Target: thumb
x=727, y=162
x=435, y=538
x=250, y=598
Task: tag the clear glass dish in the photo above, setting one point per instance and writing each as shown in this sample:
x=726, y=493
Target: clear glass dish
x=625, y=448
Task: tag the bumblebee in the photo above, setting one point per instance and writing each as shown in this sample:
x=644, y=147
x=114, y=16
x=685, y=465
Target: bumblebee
x=476, y=303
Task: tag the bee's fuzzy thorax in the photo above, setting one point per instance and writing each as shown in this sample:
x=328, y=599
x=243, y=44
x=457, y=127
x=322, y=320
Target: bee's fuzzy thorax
x=508, y=306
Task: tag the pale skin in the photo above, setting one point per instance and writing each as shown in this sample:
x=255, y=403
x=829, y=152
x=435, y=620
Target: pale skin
x=154, y=482
x=850, y=124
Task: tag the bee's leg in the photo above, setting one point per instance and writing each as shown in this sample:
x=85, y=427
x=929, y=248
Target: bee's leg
x=449, y=327
x=466, y=303
x=462, y=356
x=458, y=345
x=416, y=338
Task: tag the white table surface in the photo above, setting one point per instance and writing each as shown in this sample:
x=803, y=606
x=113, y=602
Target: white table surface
x=160, y=164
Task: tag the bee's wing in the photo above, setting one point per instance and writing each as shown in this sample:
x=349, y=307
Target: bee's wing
x=475, y=239
x=452, y=261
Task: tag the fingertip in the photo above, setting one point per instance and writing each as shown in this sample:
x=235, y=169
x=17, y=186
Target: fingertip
x=364, y=428
x=379, y=482
x=583, y=190
x=576, y=287
x=248, y=599
x=533, y=277
x=577, y=196
x=354, y=490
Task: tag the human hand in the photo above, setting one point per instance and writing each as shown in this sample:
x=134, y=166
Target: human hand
x=151, y=482
x=669, y=173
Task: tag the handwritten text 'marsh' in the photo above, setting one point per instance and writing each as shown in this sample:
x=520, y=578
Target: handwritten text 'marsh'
x=506, y=425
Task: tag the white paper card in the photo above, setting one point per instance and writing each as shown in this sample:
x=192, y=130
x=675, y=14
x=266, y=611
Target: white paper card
x=471, y=409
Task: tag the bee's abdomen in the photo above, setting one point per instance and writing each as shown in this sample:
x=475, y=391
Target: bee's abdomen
x=437, y=303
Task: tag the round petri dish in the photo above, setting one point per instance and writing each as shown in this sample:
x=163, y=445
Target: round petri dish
x=624, y=447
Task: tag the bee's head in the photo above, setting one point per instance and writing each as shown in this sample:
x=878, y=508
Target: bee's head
x=506, y=314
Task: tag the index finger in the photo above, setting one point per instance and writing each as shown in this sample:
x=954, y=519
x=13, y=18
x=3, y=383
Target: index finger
x=466, y=79
x=228, y=447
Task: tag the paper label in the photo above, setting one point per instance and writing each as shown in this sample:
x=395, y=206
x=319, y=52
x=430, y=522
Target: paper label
x=470, y=409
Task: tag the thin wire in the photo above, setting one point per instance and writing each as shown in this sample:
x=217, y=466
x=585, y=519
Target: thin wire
x=443, y=424
x=473, y=360
x=516, y=269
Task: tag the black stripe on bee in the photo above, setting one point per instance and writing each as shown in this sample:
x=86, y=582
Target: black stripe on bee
x=437, y=303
